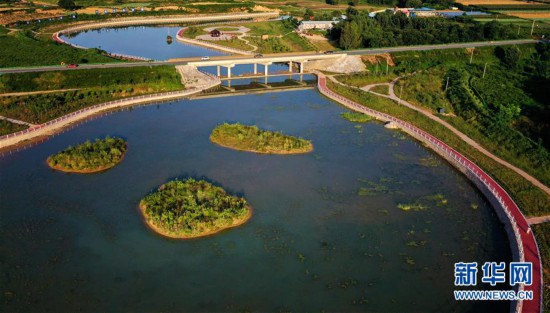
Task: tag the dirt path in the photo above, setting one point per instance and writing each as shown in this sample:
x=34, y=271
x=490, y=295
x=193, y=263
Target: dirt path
x=538, y=220
x=254, y=48
x=461, y=135
x=16, y=121
x=26, y=93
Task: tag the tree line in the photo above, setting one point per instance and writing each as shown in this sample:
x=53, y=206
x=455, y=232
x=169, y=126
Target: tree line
x=388, y=30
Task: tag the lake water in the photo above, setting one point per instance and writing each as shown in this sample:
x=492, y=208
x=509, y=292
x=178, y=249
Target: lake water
x=150, y=42
x=326, y=234
x=145, y=41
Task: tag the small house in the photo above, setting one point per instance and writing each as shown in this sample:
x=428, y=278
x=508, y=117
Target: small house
x=215, y=33
x=321, y=25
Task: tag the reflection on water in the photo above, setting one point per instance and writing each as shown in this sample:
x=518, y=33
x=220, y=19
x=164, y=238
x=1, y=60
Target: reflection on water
x=326, y=235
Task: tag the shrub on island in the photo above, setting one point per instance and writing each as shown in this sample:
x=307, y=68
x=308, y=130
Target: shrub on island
x=357, y=117
x=89, y=157
x=253, y=139
x=192, y=208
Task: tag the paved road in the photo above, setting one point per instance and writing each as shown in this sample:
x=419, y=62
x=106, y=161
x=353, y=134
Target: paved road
x=26, y=93
x=442, y=47
x=184, y=61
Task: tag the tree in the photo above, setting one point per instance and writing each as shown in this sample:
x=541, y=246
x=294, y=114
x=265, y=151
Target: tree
x=351, y=36
x=67, y=4
x=351, y=12
x=308, y=15
x=509, y=56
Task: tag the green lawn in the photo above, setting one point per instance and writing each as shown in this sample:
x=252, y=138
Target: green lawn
x=21, y=50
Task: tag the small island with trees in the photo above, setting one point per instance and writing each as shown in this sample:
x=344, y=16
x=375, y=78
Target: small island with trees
x=253, y=139
x=89, y=157
x=192, y=208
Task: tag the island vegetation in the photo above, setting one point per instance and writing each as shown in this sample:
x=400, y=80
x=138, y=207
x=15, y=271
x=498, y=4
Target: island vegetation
x=253, y=139
x=193, y=208
x=89, y=157
x=357, y=117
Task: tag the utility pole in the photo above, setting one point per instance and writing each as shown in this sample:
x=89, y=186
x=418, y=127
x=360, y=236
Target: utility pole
x=387, y=67
x=400, y=93
x=532, y=27
x=472, y=56
x=447, y=84
x=484, y=69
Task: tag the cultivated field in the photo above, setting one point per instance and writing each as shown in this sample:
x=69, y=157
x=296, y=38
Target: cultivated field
x=531, y=15
x=495, y=2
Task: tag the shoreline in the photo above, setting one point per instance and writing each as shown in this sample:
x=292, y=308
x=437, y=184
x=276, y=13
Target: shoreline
x=262, y=152
x=159, y=231
x=54, y=126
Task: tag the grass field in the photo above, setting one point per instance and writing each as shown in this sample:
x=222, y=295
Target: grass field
x=93, y=87
x=21, y=50
x=8, y=127
x=534, y=15
x=495, y=2
x=281, y=37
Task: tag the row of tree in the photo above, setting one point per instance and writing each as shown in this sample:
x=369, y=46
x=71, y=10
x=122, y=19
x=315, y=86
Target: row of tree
x=388, y=29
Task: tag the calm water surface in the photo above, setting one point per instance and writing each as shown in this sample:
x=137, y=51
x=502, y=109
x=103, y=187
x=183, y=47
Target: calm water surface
x=145, y=41
x=326, y=234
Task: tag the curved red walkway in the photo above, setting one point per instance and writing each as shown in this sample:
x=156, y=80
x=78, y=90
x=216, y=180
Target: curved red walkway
x=524, y=238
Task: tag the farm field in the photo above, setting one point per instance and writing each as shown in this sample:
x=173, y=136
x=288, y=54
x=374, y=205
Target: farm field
x=496, y=2
x=534, y=15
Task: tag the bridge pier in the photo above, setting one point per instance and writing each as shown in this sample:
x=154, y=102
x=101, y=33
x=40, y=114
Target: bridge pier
x=218, y=70
x=290, y=66
x=255, y=68
x=302, y=67
x=228, y=69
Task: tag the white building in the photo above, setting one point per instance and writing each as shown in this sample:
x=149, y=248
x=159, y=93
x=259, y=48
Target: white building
x=322, y=25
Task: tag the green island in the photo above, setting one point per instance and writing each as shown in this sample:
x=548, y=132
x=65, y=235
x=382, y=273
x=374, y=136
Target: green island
x=89, y=157
x=192, y=208
x=253, y=139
